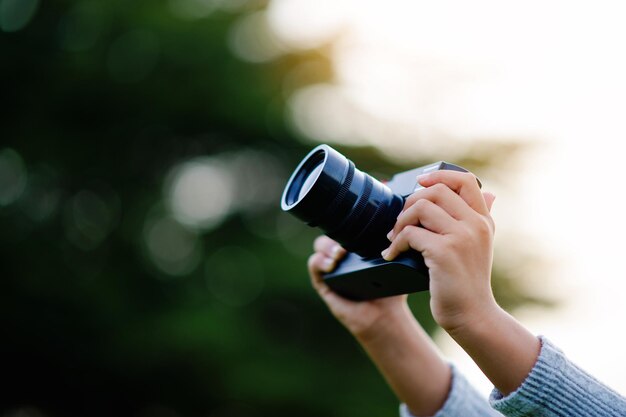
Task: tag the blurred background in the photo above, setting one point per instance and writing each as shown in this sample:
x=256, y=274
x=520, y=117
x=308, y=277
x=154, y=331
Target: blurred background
x=146, y=268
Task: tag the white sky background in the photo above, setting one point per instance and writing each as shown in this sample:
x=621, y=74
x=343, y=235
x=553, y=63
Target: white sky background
x=550, y=71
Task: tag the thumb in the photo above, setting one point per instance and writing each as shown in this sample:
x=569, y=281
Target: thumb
x=489, y=199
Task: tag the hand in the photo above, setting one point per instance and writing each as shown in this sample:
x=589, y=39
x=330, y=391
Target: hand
x=390, y=335
x=361, y=318
x=456, y=241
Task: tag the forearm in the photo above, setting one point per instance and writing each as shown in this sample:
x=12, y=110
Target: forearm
x=410, y=363
x=556, y=387
x=503, y=349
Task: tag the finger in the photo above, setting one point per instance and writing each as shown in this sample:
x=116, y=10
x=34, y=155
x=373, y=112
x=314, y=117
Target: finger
x=329, y=247
x=413, y=237
x=489, y=199
x=462, y=183
x=319, y=264
x=445, y=198
x=427, y=214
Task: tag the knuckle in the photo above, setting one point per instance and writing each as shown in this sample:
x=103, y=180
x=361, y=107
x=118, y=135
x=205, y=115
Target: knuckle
x=469, y=178
x=317, y=243
x=410, y=216
x=438, y=189
x=447, y=244
x=421, y=205
x=313, y=261
x=407, y=232
x=485, y=227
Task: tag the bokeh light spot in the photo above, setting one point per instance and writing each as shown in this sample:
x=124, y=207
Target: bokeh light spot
x=16, y=14
x=323, y=113
x=42, y=195
x=173, y=248
x=234, y=276
x=13, y=176
x=193, y=9
x=200, y=192
x=41, y=204
x=259, y=180
x=252, y=40
x=234, y=5
x=304, y=24
x=89, y=219
x=133, y=56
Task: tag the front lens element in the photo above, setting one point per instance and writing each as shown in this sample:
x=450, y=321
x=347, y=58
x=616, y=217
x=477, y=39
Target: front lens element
x=310, y=180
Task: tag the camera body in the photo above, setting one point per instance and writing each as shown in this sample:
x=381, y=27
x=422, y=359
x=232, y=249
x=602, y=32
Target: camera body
x=364, y=278
x=326, y=190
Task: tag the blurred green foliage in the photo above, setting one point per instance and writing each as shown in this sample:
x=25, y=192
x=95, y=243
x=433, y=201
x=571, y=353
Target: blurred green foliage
x=101, y=100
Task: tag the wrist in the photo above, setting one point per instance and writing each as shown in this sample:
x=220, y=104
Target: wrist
x=391, y=324
x=500, y=345
x=466, y=318
x=472, y=319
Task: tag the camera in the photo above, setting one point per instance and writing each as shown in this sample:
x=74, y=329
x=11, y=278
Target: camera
x=326, y=190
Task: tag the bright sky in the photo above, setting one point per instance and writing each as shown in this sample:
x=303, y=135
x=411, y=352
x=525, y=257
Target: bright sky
x=550, y=71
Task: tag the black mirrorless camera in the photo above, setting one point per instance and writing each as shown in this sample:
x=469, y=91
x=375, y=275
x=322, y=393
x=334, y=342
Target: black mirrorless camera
x=327, y=191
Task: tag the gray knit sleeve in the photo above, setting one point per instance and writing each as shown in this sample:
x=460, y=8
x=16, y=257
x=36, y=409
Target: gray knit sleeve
x=555, y=387
x=463, y=401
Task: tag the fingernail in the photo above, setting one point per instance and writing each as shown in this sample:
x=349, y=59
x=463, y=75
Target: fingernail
x=328, y=264
x=335, y=251
x=422, y=178
x=390, y=235
x=385, y=253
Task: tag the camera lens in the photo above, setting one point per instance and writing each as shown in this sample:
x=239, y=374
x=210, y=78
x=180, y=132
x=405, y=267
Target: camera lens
x=326, y=190
x=310, y=180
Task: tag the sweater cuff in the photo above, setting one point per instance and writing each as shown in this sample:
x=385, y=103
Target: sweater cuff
x=556, y=387
x=463, y=400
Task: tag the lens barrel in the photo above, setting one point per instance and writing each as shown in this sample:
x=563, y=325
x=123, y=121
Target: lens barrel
x=326, y=190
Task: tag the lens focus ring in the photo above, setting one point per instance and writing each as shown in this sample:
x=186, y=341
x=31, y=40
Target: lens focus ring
x=341, y=194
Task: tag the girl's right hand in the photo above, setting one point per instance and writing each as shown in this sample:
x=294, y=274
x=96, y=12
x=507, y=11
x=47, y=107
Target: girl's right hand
x=363, y=319
x=450, y=223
